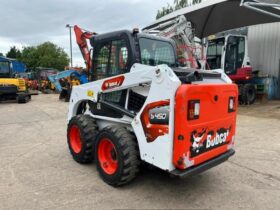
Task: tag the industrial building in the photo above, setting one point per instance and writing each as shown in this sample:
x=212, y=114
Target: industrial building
x=264, y=53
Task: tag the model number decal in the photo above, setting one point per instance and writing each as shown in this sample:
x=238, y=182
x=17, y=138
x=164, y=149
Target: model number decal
x=158, y=116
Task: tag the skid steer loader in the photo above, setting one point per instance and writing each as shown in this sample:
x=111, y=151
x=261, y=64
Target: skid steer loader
x=141, y=107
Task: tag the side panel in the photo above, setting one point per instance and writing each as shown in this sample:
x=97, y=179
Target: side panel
x=20, y=83
x=199, y=140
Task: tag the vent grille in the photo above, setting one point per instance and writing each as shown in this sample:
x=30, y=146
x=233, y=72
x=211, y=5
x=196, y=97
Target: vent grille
x=21, y=83
x=136, y=101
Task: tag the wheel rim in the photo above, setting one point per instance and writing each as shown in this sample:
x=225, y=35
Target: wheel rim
x=75, y=139
x=107, y=156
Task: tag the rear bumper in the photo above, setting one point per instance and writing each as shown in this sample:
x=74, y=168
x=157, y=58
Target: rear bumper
x=204, y=166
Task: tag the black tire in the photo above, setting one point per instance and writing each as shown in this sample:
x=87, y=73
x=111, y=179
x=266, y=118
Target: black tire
x=23, y=98
x=68, y=94
x=248, y=94
x=127, y=155
x=88, y=131
x=62, y=94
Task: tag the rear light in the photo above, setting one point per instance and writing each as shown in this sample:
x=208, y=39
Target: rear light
x=193, y=109
x=231, y=104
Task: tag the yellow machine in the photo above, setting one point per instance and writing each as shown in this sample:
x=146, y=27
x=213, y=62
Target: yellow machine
x=44, y=83
x=12, y=88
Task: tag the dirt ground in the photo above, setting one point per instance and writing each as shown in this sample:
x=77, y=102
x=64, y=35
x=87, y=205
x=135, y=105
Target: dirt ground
x=37, y=171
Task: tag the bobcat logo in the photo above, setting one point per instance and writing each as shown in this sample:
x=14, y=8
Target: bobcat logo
x=204, y=139
x=198, y=140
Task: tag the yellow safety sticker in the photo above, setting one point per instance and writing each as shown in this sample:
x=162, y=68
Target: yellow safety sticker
x=90, y=93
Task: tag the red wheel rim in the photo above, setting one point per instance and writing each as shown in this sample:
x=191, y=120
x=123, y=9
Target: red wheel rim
x=75, y=139
x=107, y=156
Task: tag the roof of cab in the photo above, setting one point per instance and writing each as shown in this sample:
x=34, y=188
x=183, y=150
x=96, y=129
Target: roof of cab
x=128, y=33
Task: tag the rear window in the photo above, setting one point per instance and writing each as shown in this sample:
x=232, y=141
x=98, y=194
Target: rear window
x=156, y=52
x=4, y=67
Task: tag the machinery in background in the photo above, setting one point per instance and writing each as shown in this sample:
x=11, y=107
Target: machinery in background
x=189, y=49
x=230, y=53
x=11, y=87
x=44, y=84
x=82, y=36
x=65, y=80
x=186, y=25
x=30, y=81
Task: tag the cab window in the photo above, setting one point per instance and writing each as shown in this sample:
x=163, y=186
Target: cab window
x=111, y=59
x=118, y=58
x=156, y=52
x=102, y=61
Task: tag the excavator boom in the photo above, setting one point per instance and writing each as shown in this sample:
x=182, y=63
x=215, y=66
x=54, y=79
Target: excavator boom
x=81, y=37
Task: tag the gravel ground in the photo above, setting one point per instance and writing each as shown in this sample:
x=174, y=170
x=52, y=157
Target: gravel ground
x=37, y=171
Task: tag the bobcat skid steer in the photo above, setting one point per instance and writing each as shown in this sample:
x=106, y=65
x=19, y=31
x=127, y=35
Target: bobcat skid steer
x=141, y=107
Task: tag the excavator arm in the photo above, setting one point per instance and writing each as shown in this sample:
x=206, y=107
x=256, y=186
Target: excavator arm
x=181, y=31
x=81, y=37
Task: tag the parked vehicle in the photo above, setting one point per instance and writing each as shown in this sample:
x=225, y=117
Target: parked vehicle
x=10, y=87
x=230, y=53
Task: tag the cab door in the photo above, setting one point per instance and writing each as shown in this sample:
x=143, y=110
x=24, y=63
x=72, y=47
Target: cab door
x=234, y=54
x=111, y=58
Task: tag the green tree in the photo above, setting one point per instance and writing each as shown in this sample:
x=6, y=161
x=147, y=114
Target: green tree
x=14, y=53
x=178, y=4
x=45, y=55
x=1, y=54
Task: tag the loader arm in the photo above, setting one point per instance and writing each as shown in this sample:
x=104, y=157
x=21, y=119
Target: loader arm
x=81, y=38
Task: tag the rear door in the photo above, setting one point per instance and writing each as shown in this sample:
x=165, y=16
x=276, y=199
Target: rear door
x=205, y=118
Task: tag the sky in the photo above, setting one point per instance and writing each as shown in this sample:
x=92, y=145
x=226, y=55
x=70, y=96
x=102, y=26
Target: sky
x=31, y=22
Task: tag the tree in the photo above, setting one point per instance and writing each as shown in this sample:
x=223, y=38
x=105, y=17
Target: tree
x=14, y=53
x=178, y=4
x=45, y=55
x=1, y=54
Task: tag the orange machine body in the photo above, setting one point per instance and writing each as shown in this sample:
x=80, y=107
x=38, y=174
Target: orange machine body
x=212, y=133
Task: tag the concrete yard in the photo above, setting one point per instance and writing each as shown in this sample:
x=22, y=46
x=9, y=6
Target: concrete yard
x=37, y=171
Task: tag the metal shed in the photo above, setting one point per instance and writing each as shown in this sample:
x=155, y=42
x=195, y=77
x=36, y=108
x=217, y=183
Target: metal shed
x=264, y=51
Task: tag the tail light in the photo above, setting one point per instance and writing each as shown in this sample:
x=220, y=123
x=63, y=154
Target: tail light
x=231, y=104
x=193, y=109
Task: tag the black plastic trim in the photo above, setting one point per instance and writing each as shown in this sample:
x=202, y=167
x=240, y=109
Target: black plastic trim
x=117, y=108
x=204, y=166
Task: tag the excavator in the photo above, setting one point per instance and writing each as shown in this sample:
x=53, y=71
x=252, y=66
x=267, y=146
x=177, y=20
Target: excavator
x=189, y=25
x=10, y=87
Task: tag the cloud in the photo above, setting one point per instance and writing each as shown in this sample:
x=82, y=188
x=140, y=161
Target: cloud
x=30, y=22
